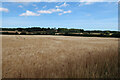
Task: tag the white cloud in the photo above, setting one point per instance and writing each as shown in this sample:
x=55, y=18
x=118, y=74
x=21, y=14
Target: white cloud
x=88, y=2
x=44, y=6
x=53, y=11
x=36, y=8
x=60, y=13
x=85, y=3
x=93, y=0
x=56, y=10
x=50, y=11
x=4, y=9
x=88, y=15
x=64, y=12
x=28, y=0
x=63, y=5
x=34, y=5
x=69, y=11
x=29, y=13
x=20, y=6
x=45, y=11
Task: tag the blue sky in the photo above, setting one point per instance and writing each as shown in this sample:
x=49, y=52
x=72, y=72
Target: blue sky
x=83, y=15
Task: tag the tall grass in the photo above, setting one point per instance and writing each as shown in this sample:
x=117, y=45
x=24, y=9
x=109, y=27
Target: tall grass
x=59, y=57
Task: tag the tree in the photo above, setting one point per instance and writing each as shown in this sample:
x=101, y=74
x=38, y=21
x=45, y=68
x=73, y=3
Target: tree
x=81, y=30
x=107, y=32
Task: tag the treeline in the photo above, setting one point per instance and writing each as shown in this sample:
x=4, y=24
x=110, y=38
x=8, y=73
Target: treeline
x=32, y=29
x=59, y=31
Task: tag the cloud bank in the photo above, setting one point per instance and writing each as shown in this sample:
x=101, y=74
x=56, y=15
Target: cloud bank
x=50, y=11
x=4, y=10
x=29, y=13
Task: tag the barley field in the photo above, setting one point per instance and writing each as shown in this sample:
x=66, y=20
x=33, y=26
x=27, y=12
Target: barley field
x=44, y=56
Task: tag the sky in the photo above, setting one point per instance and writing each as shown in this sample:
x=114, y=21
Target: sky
x=82, y=15
x=59, y=0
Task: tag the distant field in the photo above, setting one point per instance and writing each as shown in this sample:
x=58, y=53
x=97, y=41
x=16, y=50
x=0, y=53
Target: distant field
x=43, y=56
